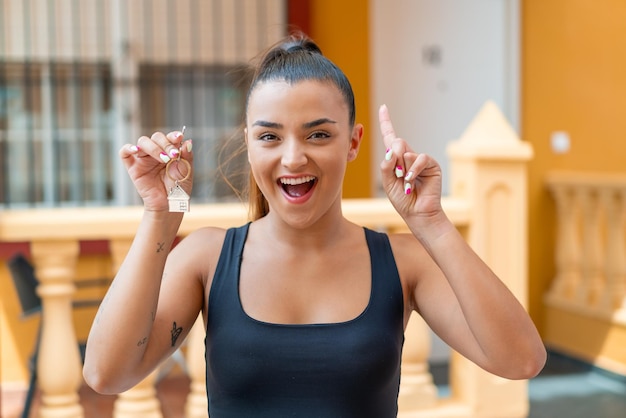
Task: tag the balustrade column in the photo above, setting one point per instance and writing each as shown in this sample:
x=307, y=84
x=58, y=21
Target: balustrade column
x=592, y=285
x=140, y=401
x=567, y=252
x=197, y=402
x=614, y=296
x=58, y=362
x=417, y=390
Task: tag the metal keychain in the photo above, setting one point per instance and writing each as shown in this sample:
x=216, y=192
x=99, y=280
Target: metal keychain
x=177, y=198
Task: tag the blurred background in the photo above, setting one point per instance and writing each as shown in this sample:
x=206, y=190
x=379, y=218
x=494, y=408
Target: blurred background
x=79, y=78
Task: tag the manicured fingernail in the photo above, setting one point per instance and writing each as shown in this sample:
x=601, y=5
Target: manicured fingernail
x=407, y=188
x=399, y=172
x=164, y=157
x=409, y=175
x=388, y=154
x=174, y=153
x=189, y=145
x=133, y=148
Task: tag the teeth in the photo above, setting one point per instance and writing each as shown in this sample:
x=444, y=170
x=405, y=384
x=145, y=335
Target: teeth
x=300, y=180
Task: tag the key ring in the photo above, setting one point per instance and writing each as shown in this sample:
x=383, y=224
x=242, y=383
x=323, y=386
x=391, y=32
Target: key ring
x=167, y=170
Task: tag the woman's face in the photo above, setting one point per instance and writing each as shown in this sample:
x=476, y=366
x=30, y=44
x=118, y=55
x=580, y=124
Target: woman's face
x=299, y=142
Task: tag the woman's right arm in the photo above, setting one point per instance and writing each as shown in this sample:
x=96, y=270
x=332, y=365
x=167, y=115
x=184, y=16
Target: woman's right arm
x=156, y=295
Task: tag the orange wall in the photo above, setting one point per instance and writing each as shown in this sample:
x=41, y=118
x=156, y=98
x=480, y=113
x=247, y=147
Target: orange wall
x=341, y=29
x=573, y=79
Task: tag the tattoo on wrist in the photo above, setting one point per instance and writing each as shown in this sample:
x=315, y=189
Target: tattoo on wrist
x=142, y=341
x=175, y=333
x=160, y=247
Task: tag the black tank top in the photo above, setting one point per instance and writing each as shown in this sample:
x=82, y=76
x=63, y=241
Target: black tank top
x=347, y=369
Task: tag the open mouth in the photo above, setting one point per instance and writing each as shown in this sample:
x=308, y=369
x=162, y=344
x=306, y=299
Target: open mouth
x=297, y=187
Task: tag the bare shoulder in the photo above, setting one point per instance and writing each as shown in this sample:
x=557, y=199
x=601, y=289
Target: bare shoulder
x=207, y=238
x=195, y=257
x=204, y=241
x=413, y=262
x=407, y=249
x=200, y=251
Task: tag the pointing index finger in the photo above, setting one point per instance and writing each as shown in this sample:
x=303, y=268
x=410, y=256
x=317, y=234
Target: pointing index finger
x=386, y=128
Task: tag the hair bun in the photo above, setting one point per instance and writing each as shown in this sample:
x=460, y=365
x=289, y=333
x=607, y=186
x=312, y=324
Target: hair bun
x=299, y=42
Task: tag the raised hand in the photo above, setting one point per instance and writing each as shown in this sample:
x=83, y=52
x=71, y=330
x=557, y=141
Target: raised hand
x=147, y=165
x=412, y=181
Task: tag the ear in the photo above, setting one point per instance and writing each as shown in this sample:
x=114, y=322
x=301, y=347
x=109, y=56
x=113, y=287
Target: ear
x=355, y=141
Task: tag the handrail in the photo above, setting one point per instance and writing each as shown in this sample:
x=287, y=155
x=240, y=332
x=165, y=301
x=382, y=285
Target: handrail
x=96, y=223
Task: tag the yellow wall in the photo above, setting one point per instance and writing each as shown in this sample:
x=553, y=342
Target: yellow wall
x=573, y=79
x=341, y=29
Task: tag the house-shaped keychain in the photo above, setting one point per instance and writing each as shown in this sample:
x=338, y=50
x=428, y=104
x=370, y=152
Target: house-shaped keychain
x=178, y=199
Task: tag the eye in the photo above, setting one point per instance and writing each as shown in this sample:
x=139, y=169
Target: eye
x=267, y=137
x=319, y=135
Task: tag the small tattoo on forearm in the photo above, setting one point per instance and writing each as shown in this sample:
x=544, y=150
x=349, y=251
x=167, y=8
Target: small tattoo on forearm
x=175, y=333
x=142, y=341
x=160, y=247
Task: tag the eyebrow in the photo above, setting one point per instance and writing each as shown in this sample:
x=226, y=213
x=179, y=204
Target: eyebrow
x=317, y=122
x=267, y=124
x=307, y=125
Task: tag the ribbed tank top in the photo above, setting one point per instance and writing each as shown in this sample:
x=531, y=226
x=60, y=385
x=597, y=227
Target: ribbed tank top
x=346, y=369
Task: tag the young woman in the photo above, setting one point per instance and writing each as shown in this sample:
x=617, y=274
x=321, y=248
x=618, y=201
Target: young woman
x=305, y=311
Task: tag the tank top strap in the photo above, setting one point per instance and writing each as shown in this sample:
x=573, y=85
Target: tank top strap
x=225, y=284
x=386, y=285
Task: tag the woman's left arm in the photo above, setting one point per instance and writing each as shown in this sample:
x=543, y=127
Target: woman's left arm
x=458, y=295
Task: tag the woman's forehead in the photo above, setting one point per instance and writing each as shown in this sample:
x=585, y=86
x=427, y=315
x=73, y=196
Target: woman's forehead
x=293, y=96
x=285, y=105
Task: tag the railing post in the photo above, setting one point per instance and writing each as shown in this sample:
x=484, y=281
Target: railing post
x=140, y=401
x=614, y=297
x=569, y=277
x=592, y=286
x=488, y=168
x=58, y=362
x=197, y=403
x=417, y=390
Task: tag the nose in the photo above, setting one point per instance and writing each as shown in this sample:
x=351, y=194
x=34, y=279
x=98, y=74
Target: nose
x=294, y=154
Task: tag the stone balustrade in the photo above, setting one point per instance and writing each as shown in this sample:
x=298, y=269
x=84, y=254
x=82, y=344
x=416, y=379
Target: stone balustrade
x=487, y=203
x=588, y=294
